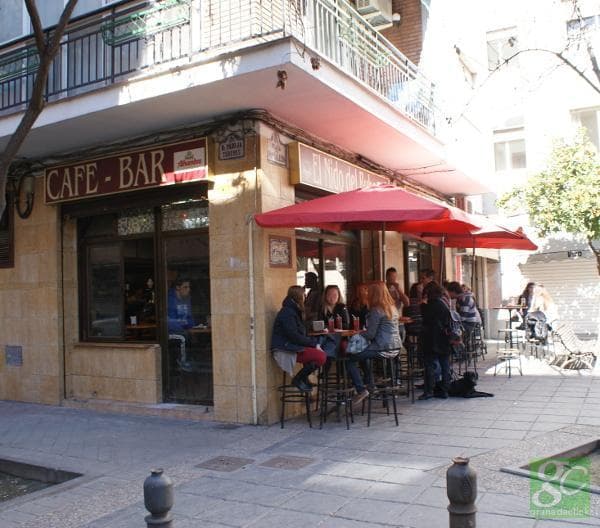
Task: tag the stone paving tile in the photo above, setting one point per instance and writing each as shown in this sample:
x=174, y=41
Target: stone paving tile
x=489, y=520
x=287, y=518
x=313, y=502
x=346, y=523
x=373, y=511
x=233, y=513
x=418, y=516
x=393, y=492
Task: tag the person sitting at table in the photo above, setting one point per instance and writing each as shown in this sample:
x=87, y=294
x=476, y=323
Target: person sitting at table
x=382, y=335
x=359, y=307
x=435, y=341
x=179, y=307
x=291, y=344
x=524, y=302
x=332, y=306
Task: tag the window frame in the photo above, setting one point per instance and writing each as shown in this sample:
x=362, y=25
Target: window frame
x=507, y=137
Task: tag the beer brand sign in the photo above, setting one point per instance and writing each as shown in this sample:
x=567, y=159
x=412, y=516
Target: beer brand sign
x=316, y=169
x=142, y=169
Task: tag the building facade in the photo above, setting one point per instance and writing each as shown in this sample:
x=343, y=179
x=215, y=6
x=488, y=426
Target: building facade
x=133, y=272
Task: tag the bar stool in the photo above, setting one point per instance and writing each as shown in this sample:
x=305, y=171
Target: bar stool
x=508, y=353
x=290, y=394
x=334, y=389
x=383, y=385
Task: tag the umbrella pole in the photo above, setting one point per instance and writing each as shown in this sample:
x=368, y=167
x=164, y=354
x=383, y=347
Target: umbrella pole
x=473, y=268
x=442, y=258
x=382, y=273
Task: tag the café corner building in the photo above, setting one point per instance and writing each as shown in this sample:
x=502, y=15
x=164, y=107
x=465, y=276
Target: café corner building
x=124, y=243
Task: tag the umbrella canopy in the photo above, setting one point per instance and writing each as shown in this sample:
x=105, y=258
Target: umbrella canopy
x=490, y=236
x=374, y=207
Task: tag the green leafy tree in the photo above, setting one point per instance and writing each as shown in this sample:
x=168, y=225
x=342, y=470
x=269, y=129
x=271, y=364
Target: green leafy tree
x=565, y=197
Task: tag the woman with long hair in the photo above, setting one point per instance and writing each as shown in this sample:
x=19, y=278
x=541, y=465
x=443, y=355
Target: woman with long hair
x=332, y=306
x=289, y=342
x=382, y=335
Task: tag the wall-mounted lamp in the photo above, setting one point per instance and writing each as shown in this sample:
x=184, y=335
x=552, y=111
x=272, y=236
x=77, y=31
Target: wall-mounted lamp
x=396, y=19
x=26, y=186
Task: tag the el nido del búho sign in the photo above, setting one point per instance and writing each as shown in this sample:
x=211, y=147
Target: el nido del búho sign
x=155, y=166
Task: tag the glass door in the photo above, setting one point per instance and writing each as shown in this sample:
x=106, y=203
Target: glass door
x=187, y=356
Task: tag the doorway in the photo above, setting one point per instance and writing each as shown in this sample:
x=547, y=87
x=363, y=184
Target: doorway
x=187, y=349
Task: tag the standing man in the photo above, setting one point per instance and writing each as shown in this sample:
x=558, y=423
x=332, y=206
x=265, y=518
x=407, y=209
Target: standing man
x=399, y=297
x=416, y=290
x=313, y=296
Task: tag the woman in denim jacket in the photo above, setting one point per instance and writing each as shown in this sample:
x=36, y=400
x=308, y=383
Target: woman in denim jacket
x=382, y=335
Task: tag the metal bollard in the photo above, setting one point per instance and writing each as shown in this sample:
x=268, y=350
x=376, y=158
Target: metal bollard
x=461, y=487
x=158, y=499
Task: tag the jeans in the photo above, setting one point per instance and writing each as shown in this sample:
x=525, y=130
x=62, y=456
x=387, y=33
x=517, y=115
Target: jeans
x=436, y=366
x=352, y=367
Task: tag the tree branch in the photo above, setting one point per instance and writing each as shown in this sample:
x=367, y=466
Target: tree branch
x=38, y=30
x=60, y=27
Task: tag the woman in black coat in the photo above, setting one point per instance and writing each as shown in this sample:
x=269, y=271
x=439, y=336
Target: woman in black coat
x=289, y=342
x=435, y=340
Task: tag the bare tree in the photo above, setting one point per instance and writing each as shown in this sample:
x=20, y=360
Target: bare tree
x=47, y=47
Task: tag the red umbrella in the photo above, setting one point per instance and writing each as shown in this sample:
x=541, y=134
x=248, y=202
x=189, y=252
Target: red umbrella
x=491, y=236
x=375, y=207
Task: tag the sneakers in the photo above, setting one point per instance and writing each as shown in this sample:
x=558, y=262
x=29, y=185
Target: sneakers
x=360, y=397
x=425, y=396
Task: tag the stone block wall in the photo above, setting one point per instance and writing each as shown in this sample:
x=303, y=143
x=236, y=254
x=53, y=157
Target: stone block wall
x=30, y=309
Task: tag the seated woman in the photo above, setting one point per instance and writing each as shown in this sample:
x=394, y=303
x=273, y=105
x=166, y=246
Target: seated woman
x=382, y=335
x=333, y=306
x=359, y=307
x=435, y=339
x=289, y=342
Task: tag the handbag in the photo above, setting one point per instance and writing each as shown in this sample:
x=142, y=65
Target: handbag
x=356, y=344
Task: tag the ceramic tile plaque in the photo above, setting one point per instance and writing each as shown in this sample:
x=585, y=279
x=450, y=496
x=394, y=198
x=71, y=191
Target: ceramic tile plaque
x=14, y=355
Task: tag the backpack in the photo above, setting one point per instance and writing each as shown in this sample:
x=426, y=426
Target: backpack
x=536, y=326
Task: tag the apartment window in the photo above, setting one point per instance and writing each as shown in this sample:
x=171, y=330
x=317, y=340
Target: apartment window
x=509, y=150
x=588, y=119
x=501, y=46
x=7, y=245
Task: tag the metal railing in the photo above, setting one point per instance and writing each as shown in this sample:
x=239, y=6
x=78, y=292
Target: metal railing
x=110, y=45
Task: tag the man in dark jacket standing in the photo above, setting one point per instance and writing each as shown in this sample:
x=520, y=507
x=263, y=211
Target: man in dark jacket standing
x=435, y=340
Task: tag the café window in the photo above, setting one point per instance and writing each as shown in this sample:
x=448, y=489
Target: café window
x=7, y=245
x=119, y=276
x=510, y=151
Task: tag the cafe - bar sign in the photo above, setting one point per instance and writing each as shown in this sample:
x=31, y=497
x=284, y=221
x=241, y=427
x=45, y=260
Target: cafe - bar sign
x=312, y=167
x=141, y=169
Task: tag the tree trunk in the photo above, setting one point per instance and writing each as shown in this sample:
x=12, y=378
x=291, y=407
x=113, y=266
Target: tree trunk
x=596, y=252
x=47, y=52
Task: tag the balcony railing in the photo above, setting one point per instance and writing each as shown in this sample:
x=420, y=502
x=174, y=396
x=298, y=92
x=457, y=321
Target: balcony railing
x=109, y=46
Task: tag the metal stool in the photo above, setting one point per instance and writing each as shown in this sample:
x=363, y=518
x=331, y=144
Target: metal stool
x=335, y=389
x=290, y=394
x=383, y=386
x=508, y=353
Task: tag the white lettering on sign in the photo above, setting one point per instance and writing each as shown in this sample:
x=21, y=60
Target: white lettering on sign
x=231, y=148
x=188, y=160
x=323, y=171
x=141, y=169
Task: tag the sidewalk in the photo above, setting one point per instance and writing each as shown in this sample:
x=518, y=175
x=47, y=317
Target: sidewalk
x=378, y=476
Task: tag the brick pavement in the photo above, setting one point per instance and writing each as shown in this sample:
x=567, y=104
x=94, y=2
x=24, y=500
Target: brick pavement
x=378, y=476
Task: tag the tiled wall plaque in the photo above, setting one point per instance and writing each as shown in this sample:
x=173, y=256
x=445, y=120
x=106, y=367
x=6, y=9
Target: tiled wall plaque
x=14, y=355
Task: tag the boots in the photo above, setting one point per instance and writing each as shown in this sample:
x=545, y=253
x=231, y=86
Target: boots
x=300, y=380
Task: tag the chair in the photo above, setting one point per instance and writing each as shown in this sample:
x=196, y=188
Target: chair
x=290, y=394
x=334, y=389
x=507, y=354
x=576, y=353
x=383, y=385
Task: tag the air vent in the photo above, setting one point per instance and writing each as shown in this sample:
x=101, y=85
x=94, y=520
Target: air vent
x=377, y=12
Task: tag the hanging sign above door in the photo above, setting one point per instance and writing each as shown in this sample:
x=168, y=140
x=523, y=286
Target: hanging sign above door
x=156, y=166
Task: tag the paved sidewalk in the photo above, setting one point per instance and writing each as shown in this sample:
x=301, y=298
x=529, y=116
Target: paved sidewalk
x=378, y=476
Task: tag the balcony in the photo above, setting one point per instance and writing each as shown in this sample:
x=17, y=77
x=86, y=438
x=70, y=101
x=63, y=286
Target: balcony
x=132, y=39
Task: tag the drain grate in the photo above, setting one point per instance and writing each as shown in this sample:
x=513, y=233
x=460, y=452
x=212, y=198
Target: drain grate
x=225, y=463
x=288, y=462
